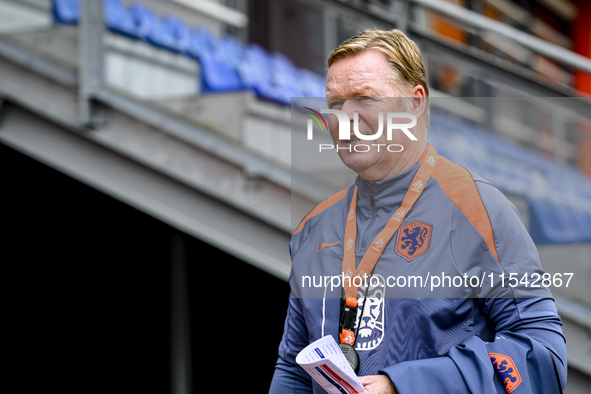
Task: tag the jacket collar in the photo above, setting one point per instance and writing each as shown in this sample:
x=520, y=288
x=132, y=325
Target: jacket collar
x=387, y=194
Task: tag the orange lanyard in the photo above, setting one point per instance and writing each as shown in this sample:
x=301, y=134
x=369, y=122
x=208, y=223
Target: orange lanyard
x=370, y=259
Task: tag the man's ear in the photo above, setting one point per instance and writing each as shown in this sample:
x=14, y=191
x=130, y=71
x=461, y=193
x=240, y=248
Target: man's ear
x=418, y=101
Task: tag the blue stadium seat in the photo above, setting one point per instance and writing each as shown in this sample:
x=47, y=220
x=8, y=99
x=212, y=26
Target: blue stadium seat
x=553, y=223
x=285, y=78
x=179, y=30
x=216, y=75
x=576, y=222
x=66, y=11
x=231, y=51
x=580, y=183
x=119, y=19
x=254, y=72
x=586, y=219
x=144, y=18
x=200, y=40
x=545, y=226
x=151, y=28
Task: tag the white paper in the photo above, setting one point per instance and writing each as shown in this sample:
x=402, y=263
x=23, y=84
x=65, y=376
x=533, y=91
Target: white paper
x=324, y=361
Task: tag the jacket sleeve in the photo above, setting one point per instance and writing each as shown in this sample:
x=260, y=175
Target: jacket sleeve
x=519, y=360
x=289, y=377
x=528, y=353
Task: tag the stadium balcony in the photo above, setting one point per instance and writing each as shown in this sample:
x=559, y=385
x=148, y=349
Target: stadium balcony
x=226, y=65
x=195, y=72
x=182, y=66
x=557, y=197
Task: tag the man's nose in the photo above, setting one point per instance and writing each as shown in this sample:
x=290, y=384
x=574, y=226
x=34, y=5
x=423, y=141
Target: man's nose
x=349, y=108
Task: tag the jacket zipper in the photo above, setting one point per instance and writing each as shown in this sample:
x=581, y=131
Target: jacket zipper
x=373, y=216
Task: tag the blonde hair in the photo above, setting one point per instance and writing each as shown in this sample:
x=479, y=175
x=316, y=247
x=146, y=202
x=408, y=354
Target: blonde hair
x=402, y=53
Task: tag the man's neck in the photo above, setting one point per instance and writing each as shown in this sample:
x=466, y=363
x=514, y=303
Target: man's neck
x=409, y=158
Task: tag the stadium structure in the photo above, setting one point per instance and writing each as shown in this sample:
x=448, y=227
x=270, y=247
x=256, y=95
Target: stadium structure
x=150, y=182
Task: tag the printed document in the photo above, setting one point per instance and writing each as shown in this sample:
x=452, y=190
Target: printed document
x=324, y=361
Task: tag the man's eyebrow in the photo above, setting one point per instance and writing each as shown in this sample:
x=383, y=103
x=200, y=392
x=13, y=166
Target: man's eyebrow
x=356, y=92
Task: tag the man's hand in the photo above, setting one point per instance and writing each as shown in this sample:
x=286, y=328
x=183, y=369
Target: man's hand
x=377, y=384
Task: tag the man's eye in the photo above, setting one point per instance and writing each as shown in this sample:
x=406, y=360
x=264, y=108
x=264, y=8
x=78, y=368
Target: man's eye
x=335, y=104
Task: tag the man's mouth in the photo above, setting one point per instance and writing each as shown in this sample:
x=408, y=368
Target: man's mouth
x=352, y=140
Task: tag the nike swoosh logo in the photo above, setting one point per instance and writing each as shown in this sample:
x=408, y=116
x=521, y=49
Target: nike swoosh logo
x=322, y=246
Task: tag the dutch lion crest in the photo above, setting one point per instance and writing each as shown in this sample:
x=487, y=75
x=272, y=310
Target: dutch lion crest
x=413, y=240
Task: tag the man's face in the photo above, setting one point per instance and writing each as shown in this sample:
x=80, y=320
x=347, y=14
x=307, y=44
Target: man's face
x=364, y=84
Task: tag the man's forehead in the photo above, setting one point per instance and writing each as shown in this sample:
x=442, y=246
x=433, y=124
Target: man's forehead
x=350, y=88
x=358, y=75
x=353, y=84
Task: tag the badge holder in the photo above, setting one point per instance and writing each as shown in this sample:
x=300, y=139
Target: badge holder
x=346, y=331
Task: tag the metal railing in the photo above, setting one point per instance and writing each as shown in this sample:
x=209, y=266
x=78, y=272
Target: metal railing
x=482, y=23
x=496, y=75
